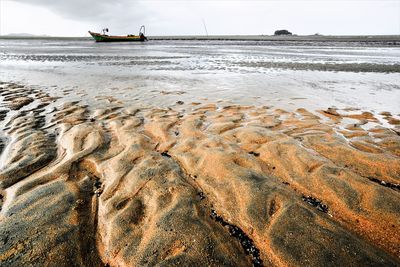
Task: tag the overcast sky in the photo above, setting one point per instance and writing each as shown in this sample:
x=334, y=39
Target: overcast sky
x=76, y=17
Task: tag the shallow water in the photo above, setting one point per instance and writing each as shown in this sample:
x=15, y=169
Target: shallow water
x=159, y=73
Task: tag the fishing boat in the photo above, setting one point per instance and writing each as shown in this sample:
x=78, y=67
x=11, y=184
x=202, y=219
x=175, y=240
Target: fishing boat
x=103, y=37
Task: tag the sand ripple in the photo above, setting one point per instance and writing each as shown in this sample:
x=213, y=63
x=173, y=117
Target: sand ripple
x=195, y=185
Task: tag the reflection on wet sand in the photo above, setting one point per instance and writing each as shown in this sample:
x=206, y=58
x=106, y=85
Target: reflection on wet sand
x=202, y=184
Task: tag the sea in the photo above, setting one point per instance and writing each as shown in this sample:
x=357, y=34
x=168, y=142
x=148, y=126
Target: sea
x=160, y=73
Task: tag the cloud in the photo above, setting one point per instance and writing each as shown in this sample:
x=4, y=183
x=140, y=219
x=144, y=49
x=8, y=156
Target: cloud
x=84, y=10
x=122, y=14
x=174, y=17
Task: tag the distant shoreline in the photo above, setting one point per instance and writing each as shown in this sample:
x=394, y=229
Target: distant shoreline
x=395, y=39
x=322, y=38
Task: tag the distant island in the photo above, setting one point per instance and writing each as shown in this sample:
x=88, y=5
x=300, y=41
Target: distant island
x=282, y=32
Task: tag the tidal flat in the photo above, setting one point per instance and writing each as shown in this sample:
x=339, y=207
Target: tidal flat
x=203, y=153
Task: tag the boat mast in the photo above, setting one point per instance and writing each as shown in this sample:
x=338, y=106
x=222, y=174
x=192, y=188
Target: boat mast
x=144, y=30
x=205, y=27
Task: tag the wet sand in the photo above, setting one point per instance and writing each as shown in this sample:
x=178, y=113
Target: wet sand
x=195, y=184
x=311, y=75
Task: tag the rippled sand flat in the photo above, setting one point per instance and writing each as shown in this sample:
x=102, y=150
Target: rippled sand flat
x=195, y=184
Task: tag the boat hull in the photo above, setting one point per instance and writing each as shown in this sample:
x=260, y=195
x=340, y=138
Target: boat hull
x=106, y=38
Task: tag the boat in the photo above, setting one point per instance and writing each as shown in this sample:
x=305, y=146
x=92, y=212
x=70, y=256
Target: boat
x=103, y=37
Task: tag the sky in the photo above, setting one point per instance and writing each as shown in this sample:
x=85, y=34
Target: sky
x=193, y=17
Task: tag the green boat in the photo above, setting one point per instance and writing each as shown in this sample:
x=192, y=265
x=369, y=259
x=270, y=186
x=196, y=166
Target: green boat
x=103, y=37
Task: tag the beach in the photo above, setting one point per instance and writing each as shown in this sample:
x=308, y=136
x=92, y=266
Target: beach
x=204, y=153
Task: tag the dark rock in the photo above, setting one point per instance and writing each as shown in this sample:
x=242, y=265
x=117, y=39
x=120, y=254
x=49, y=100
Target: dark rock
x=246, y=242
x=165, y=154
x=385, y=184
x=316, y=203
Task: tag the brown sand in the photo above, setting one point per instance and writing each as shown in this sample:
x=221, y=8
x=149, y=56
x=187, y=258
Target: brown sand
x=195, y=185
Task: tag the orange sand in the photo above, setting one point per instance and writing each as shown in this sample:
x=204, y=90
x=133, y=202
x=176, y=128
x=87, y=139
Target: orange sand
x=196, y=185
